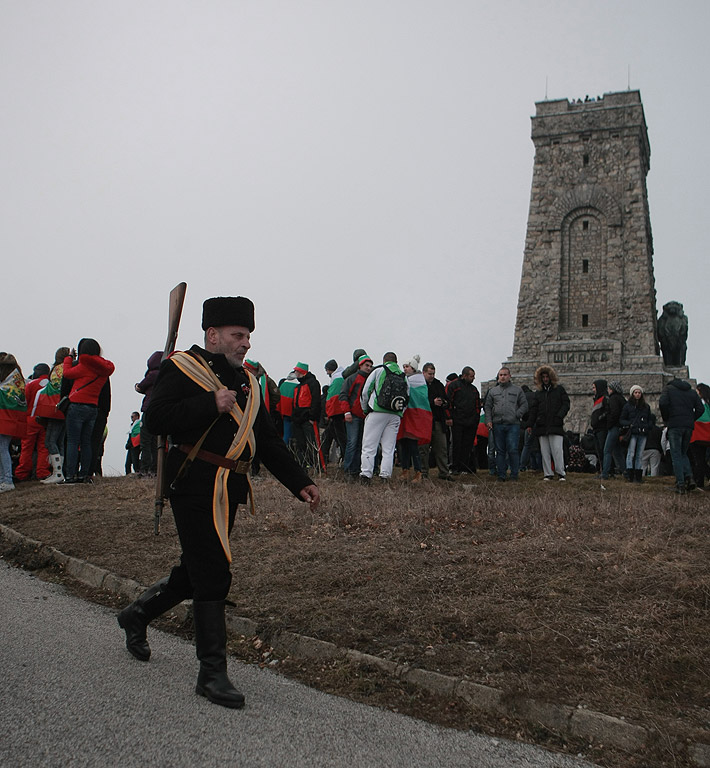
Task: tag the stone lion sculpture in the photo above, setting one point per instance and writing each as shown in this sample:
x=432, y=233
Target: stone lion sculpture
x=673, y=334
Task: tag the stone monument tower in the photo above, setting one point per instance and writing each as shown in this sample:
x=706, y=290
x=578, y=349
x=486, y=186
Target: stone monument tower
x=587, y=301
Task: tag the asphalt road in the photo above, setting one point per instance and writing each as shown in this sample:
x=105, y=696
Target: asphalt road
x=71, y=695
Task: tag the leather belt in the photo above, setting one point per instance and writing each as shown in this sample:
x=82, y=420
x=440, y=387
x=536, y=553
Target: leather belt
x=240, y=467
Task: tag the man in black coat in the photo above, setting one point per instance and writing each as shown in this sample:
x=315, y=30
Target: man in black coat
x=680, y=406
x=465, y=407
x=613, y=452
x=439, y=424
x=213, y=411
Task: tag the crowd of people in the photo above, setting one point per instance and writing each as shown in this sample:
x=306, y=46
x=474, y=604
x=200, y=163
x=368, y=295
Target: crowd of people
x=366, y=419
x=369, y=417
x=55, y=421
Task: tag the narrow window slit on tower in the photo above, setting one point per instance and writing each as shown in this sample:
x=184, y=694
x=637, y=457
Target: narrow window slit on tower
x=585, y=225
x=585, y=159
x=585, y=266
x=585, y=321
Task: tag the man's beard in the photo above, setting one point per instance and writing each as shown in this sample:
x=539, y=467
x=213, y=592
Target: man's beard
x=236, y=361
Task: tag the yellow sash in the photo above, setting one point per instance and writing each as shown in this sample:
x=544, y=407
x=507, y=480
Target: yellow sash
x=202, y=375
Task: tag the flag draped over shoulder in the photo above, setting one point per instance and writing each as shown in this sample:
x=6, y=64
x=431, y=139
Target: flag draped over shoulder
x=416, y=420
x=701, y=429
x=47, y=398
x=333, y=404
x=202, y=375
x=13, y=406
x=286, y=388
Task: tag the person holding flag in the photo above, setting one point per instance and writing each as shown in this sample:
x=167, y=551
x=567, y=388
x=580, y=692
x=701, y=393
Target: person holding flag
x=415, y=427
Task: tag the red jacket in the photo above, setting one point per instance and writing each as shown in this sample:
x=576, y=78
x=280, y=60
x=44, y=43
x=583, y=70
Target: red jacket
x=89, y=375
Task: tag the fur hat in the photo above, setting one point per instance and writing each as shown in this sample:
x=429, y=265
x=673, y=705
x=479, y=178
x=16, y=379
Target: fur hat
x=413, y=362
x=228, y=310
x=634, y=387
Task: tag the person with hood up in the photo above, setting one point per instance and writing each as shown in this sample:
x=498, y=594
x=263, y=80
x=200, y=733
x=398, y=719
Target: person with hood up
x=637, y=416
x=613, y=452
x=547, y=415
x=680, y=407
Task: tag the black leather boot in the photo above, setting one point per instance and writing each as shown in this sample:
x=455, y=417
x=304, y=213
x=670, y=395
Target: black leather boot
x=211, y=644
x=638, y=475
x=134, y=618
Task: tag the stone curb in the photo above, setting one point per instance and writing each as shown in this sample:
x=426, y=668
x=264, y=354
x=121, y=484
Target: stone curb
x=565, y=721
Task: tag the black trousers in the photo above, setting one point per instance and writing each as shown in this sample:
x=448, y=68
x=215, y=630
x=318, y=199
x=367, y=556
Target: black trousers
x=462, y=438
x=203, y=573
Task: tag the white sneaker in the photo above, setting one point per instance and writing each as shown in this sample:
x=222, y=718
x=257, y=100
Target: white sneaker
x=562, y=478
x=6, y=487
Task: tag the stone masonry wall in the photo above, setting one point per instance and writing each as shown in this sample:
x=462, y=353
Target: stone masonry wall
x=587, y=300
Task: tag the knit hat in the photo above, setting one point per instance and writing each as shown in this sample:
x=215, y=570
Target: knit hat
x=634, y=388
x=228, y=310
x=41, y=369
x=331, y=366
x=358, y=353
x=616, y=387
x=301, y=367
x=363, y=359
x=413, y=362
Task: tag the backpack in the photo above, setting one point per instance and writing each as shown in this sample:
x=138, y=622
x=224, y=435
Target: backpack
x=393, y=394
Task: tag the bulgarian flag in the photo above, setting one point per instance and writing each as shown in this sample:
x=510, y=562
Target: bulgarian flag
x=333, y=405
x=416, y=419
x=13, y=406
x=48, y=396
x=135, y=433
x=286, y=388
x=701, y=429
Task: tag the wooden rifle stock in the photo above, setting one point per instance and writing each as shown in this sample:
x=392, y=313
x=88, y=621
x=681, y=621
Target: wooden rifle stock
x=177, y=299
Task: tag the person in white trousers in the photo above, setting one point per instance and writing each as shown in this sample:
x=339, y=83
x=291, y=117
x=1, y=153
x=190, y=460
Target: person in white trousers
x=381, y=424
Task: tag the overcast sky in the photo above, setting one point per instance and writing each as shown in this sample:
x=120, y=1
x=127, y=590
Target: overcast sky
x=360, y=169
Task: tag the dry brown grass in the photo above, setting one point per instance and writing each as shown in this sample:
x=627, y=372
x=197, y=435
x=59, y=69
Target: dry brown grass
x=559, y=591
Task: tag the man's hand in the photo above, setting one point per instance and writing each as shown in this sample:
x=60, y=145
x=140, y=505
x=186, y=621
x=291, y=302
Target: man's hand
x=348, y=416
x=225, y=399
x=449, y=422
x=311, y=494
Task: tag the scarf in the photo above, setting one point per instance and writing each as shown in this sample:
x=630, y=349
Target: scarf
x=197, y=370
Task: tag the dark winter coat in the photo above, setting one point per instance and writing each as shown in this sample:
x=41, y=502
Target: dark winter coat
x=306, y=405
x=549, y=408
x=145, y=386
x=183, y=409
x=616, y=402
x=464, y=402
x=680, y=405
x=438, y=412
x=601, y=406
x=640, y=419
